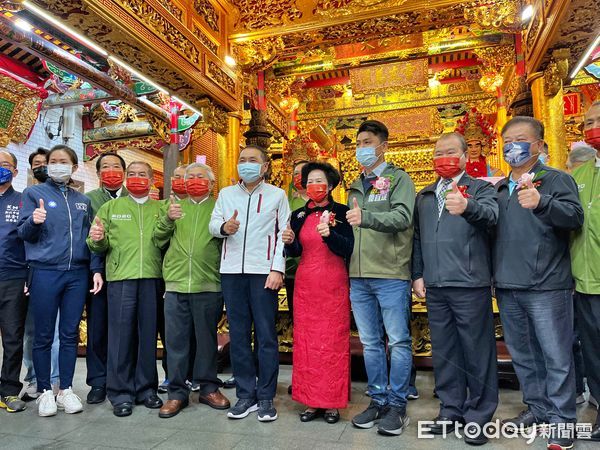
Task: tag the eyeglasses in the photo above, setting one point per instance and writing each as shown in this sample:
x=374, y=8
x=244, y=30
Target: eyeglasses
x=7, y=165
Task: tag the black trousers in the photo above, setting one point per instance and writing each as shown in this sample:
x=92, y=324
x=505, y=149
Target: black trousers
x=13, y=311
x=97, y=338
x=587, y=308
x=248, y=302
x=464, y=352
x=289, y=288
x=186, y=315
x=131, y=364
x=160, y=322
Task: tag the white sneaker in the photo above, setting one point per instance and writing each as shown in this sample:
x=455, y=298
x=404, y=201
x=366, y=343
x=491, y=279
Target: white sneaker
x=592, y=401
x=30, y=392
x=46, y=404
x=580, y=399
x=69, y=402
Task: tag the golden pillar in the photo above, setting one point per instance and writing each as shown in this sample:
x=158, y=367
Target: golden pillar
x=229, y=150
x=555, y=133
x=536, y=81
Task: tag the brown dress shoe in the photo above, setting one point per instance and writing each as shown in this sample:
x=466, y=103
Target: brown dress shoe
x=215, y=400
x=171, y=408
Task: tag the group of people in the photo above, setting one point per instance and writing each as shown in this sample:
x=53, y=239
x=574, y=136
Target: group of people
x=528, y=238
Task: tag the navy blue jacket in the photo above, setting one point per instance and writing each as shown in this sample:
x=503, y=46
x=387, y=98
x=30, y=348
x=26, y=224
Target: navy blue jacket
x=531, y=249
x=12, y=252
x=59, y=242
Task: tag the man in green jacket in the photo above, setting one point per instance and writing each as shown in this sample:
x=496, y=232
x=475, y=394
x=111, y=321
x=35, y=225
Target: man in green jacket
x=123, y=231
x=382, y=201
x=110, y=169
x=193, y=301
x=585, y=259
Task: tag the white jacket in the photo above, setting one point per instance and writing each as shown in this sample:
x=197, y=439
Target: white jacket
x=257, y=247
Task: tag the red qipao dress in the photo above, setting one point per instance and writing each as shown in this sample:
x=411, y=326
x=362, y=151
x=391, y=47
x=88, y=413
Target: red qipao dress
x=321, y=361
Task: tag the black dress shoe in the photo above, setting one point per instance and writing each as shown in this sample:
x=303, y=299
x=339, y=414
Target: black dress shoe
x=442, y=424
x=308, y=416
x=153, y=402
x=123, y=409
x=96, y=395
x=595, y=435
x=332, y=417
x=229, y=383
x=474, y=436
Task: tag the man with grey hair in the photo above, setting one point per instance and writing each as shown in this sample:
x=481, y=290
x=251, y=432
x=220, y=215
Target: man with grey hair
x=451, y=262
x=193, y=300
x=585, y=256
x=580, y=154
x=13, y=273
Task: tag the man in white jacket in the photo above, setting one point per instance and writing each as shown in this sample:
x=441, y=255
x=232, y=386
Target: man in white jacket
x=251, y=216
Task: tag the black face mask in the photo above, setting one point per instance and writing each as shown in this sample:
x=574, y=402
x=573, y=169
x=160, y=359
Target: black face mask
x=41, y=173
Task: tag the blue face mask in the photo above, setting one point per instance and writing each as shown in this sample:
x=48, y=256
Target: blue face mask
x=543, y=158
x=249, y=172
x=517, y=154
x=367, y=156
x=5, y=176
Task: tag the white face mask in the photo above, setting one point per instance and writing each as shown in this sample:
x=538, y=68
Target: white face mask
x=60, y=173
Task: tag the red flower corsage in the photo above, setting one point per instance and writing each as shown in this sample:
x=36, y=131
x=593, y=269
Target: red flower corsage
x=328, y=217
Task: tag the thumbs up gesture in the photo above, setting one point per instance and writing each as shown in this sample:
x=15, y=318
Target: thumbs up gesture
x=529, y=196
x=97, y=230
x=174, y=211
x=456, y=203
x=288, y=235
x=354, y=216
x=39, y=213
x=232, y=225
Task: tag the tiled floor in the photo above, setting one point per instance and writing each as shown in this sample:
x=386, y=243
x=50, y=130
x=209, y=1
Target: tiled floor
x=200, y=427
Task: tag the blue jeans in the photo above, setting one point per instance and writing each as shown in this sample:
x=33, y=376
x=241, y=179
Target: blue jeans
x=538, y=331
x=52, y=291
x=381, y=306
x=28, y=348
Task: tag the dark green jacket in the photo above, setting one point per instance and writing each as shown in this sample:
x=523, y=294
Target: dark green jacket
x=383, y=242
x=192, y=262
x=100, y=196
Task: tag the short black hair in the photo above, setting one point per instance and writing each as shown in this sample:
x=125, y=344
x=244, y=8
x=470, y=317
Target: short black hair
x=332, y=175
x=40, y=151
x=104, y=155
x=300, y=161
x=536, y=125
x=64, y=148
x=12, y=156
x=376, y=127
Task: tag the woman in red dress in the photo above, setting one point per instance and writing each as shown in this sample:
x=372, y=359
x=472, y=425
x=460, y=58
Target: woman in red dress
x=320, y=235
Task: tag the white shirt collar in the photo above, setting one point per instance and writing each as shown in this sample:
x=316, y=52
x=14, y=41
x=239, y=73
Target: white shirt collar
x=597, y=161
x=377, y=171
x=139, y=201
x=197, y=203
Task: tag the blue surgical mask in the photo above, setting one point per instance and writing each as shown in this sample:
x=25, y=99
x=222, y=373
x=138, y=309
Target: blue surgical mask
x=517, y=154
x=367, y=156
x=249, y=172
x=5, y=176
x=543, y=158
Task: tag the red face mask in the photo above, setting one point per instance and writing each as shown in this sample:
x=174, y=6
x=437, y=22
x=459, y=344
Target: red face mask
x=138, y=186
x=447, y=166
x=298, y=182
x=178, y=186
x=592, y=137
x=112, y=179
x=316, y=192
x=197, y=187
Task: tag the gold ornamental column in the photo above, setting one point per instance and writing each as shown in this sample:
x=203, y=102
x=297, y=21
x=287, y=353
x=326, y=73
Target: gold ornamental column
x=555, y=133
x=229, y=153
x=536, y=81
